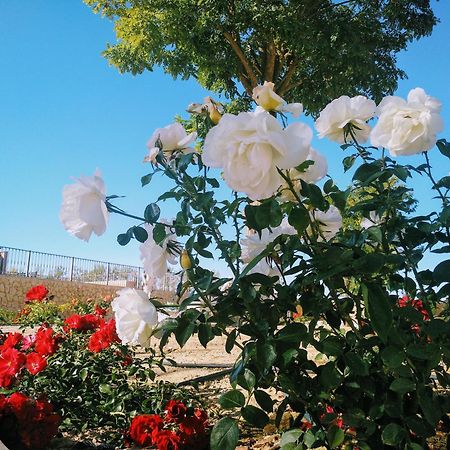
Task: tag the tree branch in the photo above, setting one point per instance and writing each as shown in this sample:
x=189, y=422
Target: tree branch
x=285, y=84
x=250, y=74
x=270, y=61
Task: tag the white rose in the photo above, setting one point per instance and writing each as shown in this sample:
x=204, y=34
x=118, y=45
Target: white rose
x=170, y=138
x=252, y=245
x=83, y=209
x=328, y=223
x=268, y=99
x=407, y=127
x=136, y=317
x=343, y=111
x=314, y=173
x=250, y=146
x=155, y=257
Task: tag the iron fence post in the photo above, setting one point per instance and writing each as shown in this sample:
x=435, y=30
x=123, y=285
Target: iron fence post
x=72, y=260
x=107, y=274
x=27, y=273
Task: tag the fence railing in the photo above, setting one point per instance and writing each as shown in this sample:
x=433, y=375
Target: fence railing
x=28, y=263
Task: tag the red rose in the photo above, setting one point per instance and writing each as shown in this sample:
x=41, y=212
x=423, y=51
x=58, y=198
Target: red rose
x=35, y=363
x=11, y=341
x=143, y=426
x=82, y=323
x=11, y=362
x=167, y=440
x=46, y=343
x=37, y=293
x=103, y=337
x=176, y=411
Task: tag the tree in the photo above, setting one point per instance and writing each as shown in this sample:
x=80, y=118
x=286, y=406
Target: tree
x=313, y=50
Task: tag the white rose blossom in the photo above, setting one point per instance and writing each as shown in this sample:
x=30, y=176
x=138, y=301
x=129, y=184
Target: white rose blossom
x=408, y=127
x=329, y=222
x=209, y=107
x=341, y=113
x=136, y=317
x=265, y=96
x=155, y=258
x=250, y=146
x=373, y=220
x=171, y=138
x=314, y=173
x=83, y=210
x=252, y=245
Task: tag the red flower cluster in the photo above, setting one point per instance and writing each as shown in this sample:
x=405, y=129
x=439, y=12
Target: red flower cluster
x=332, y=417
x=13, y=358
x=33, y=422
x=416, y=304
x=186, y=428
x=104, y=336
x=37, y=293
x=82, y=323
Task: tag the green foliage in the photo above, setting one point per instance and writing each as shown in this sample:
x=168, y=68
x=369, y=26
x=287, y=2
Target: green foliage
x=6, y=316
x=312, y=50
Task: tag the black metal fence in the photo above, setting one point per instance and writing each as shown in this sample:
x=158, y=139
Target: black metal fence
x=28, y=263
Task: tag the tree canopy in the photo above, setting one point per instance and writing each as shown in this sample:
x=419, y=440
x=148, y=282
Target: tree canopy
x=313, y=50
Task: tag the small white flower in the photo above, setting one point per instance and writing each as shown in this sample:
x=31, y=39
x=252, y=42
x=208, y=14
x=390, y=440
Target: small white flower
x=209, y=107
x=155, y=257
x=268, y=99
x=171, y=138
x=314, y=173
x=136, y=317
x=83, y=209
x=408, y=127
x=344, y=111
x=329, y=222
x=250, y=146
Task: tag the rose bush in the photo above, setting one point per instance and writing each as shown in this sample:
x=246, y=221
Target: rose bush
x=307, y=254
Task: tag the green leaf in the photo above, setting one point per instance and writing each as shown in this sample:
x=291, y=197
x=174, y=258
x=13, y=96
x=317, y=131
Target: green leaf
x=231, y=339
x=365, y=171
x=265, y=356
x=105, y=389
x=441, y=273
x=205, y=334
x=329, y=376
x=159, y=233
x=184, y=332
x=348, y=162
x=403, y=385
x=224, y=435
x=232, y=399
x=335, y=436
x=146, y=179
x=152, y=213
x=429, y=404
x=393, y=434
x=393, y=357
x=356, y=364
x=255, y=416
x=293, y=333
x=264, y=400
x=140, y=234
x=123, y=238
x=83, y=374
x=299, y=218
x=247, y=380
x=444, y=147
x=378, y=308
x=290, y=437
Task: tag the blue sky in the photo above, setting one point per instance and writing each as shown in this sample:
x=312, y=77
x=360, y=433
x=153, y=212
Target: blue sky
x=65, y=112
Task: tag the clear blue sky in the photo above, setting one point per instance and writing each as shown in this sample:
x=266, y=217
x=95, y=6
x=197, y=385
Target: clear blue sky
x=65, y=112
